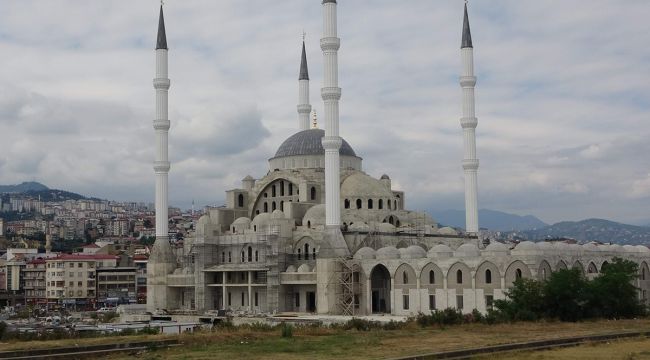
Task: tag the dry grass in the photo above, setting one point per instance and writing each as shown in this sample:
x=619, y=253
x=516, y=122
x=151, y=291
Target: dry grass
x=636, y=349
x=325, y=343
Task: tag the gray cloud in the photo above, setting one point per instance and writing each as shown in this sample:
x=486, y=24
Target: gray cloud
x=561, y=106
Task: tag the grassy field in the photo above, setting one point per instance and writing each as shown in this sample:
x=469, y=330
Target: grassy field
x=325, y=343
x=636, y=349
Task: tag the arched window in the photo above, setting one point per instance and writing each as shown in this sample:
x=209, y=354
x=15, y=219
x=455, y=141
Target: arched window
x=243, y=256
x=391, y=220
x=266, y=207
x=281, y=188
x=282, y=205
x=643, y=273
x=432, y=277
x=405, y=277
x=299, y=255
x=229, y=256
x=254, y=227
x=313, y=193
x=459, y=276
x=544, y=274
x=369, y=203
x=273, y=206
x=240, y=200
x=290, y=189
x=250, y=254
x=381, y=204
x=347, y=203
x=313, y=253
x=223, y=256
x=257, y=256
x=257, y=212
x=358, y=203
x=388, y=204
x=273, y=191
x=488, y=276
x=308, y=224
x=518, y=274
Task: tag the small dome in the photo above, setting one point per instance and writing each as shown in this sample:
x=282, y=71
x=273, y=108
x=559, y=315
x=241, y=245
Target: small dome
x=526, y=246
x=439, y=251
x=412, y=252
x=629, y=248
x=385, y=177
x=467, y=250
x=603, y=248
x=385, y=227
x=365, y=253
x=277, y=214
x=315, y=215
x=447, y=231
x=248, y=178
x=308, y=142
x=304, y=268
x=242, y=221
x=359, y=226
x=262, y=219
x=388, y=252
x=291, y=268
x=616, y=248
x=589, y=247
x=497, y=247
x=642, y=249
x=545, y=246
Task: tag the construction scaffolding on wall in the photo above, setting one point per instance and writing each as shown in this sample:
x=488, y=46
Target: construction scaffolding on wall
x=346, y=282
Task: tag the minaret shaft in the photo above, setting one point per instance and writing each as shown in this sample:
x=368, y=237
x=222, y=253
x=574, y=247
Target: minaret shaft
x=161, y=126
x=469, y=123
x=331, y=94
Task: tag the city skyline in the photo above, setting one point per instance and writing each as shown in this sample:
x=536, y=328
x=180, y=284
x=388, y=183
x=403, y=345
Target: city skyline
x=561, y=130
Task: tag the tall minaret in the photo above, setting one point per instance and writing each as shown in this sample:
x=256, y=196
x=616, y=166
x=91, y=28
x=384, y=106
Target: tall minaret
x=304, y=108
x=468, y=123
x=161, y=262
x=331, y=94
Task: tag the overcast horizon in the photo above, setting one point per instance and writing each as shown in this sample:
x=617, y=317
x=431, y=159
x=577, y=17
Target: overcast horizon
x=562, y=98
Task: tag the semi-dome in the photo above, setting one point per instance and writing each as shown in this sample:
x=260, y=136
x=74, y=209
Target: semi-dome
x=360, y=185
x=308, y=142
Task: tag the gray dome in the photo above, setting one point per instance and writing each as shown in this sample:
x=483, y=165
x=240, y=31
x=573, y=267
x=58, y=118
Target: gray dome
x=308, y=142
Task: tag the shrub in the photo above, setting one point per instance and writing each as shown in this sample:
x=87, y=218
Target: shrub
x=287, y=330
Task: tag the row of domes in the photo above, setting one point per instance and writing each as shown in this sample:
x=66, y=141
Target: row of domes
x=471, y=250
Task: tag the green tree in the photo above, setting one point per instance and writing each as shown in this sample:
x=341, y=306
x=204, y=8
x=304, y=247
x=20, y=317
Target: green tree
x=525, y=300
x=566, y=295
x=613, y=294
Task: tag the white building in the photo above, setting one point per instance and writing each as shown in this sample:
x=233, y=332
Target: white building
x=318, y=234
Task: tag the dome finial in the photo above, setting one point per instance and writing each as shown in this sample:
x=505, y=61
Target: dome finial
x=314, y=120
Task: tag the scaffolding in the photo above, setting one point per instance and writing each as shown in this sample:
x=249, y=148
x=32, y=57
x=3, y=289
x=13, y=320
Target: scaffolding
x=347, y=285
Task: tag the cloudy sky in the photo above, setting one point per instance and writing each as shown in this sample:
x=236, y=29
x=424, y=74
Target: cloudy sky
x=562, y=97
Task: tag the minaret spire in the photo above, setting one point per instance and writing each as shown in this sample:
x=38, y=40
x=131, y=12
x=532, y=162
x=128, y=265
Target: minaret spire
x=161, y=41
x=467, y=34
x=304, y=107
x=469, y=123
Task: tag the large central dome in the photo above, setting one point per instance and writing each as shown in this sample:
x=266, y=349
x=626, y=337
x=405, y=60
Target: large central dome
x=308, y=142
